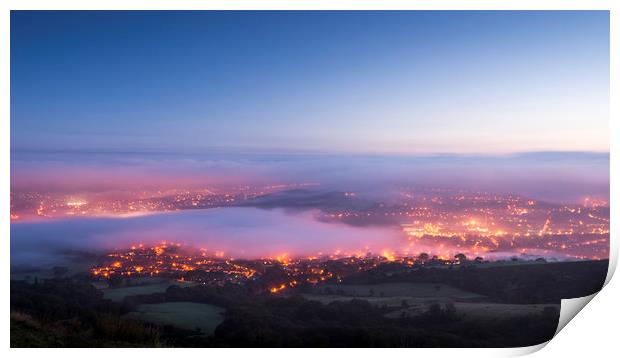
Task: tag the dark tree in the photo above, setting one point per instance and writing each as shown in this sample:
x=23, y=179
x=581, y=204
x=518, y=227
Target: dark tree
x=460, y=257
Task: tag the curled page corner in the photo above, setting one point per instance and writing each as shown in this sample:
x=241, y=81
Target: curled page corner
x=523, y=351
x=613, y=262
x=569, y=309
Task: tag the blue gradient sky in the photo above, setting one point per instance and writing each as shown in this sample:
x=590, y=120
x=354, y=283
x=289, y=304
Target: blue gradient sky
x=368, y=82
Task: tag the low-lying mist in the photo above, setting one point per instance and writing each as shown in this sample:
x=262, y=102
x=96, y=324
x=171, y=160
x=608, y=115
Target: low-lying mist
x=564, y=177
x=237, y=232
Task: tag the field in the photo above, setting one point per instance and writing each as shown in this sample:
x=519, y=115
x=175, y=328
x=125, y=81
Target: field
x=394, y=294
x=415, y=298
x=185, y=315
x=118, y=294
x=392, y=289
x=495, y=310
x=478, y=310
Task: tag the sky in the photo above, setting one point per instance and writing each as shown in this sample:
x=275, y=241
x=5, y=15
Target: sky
x=101, y=102
x=311, y=82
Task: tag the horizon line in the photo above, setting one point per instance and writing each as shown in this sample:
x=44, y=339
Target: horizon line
x=293, y=152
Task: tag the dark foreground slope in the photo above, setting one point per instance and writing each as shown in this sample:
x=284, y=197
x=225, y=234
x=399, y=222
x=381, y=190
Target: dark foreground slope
x=71, y=313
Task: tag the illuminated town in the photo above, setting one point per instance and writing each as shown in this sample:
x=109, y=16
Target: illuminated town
x=28, y=205
x=472, y=228
x=440, y=222
x=440, y=228
x=274, y=274
x=481, y=224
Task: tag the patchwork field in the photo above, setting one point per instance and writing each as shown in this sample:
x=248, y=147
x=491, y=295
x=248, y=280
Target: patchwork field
x=410, y=299
x=406, y=295
x=118, y=294
x=494, y=310
x=185, y=315
x=397, y=289
x=478, y=310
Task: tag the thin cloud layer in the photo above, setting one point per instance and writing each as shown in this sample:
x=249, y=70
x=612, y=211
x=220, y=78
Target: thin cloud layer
x=558, y=177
